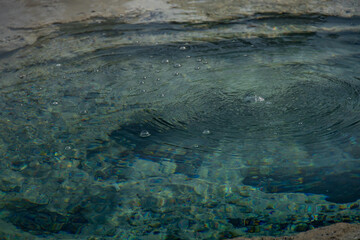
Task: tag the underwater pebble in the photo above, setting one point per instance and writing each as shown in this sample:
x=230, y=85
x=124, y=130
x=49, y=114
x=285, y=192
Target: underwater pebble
x=168, y=167
x=183, y=224
x=182, y=48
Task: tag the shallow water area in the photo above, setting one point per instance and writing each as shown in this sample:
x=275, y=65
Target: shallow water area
x=211, y=130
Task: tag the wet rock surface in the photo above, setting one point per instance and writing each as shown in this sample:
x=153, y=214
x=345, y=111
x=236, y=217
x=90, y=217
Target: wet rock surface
x=339, y=231
x=23, y=22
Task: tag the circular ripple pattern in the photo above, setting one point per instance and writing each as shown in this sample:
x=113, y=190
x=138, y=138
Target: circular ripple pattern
x=207, y=133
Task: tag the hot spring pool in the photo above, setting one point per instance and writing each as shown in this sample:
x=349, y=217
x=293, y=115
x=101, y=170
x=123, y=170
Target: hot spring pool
x=244, y=127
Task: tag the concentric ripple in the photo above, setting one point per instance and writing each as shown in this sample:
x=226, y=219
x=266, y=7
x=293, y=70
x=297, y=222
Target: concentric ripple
x=183, y=131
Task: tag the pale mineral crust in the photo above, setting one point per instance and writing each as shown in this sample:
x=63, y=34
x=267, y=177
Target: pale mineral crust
x=23, y=22
x=339, y=231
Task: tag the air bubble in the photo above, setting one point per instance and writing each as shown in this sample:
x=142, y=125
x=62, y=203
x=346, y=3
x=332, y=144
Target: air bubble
x=259, y=99
x=206, y=132
x=144, y=134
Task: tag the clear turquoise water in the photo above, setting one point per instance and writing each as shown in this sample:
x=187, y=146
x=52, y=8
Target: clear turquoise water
x=179, y=131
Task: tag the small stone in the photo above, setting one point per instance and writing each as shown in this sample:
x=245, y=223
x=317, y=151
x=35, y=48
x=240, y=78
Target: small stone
x=342, y=206
x=354, y=206
x=183, y=224
x=168, y=167
x=155, y=224
x=301, y=227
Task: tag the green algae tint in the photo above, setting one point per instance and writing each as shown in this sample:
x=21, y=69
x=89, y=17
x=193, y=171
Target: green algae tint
x=180, y=131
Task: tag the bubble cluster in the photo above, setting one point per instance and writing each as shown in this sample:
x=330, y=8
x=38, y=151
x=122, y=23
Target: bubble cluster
x=144, y=134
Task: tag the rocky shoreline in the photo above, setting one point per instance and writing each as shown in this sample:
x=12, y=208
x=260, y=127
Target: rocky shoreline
x=339, y=231
x=23, y=22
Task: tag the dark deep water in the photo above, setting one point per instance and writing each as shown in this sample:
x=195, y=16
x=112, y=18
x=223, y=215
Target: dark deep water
x=180, y=131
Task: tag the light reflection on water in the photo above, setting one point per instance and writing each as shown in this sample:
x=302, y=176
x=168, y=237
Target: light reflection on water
x=226, y=137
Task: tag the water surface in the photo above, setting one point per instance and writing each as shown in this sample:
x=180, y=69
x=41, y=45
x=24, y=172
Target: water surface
x=182, y=131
